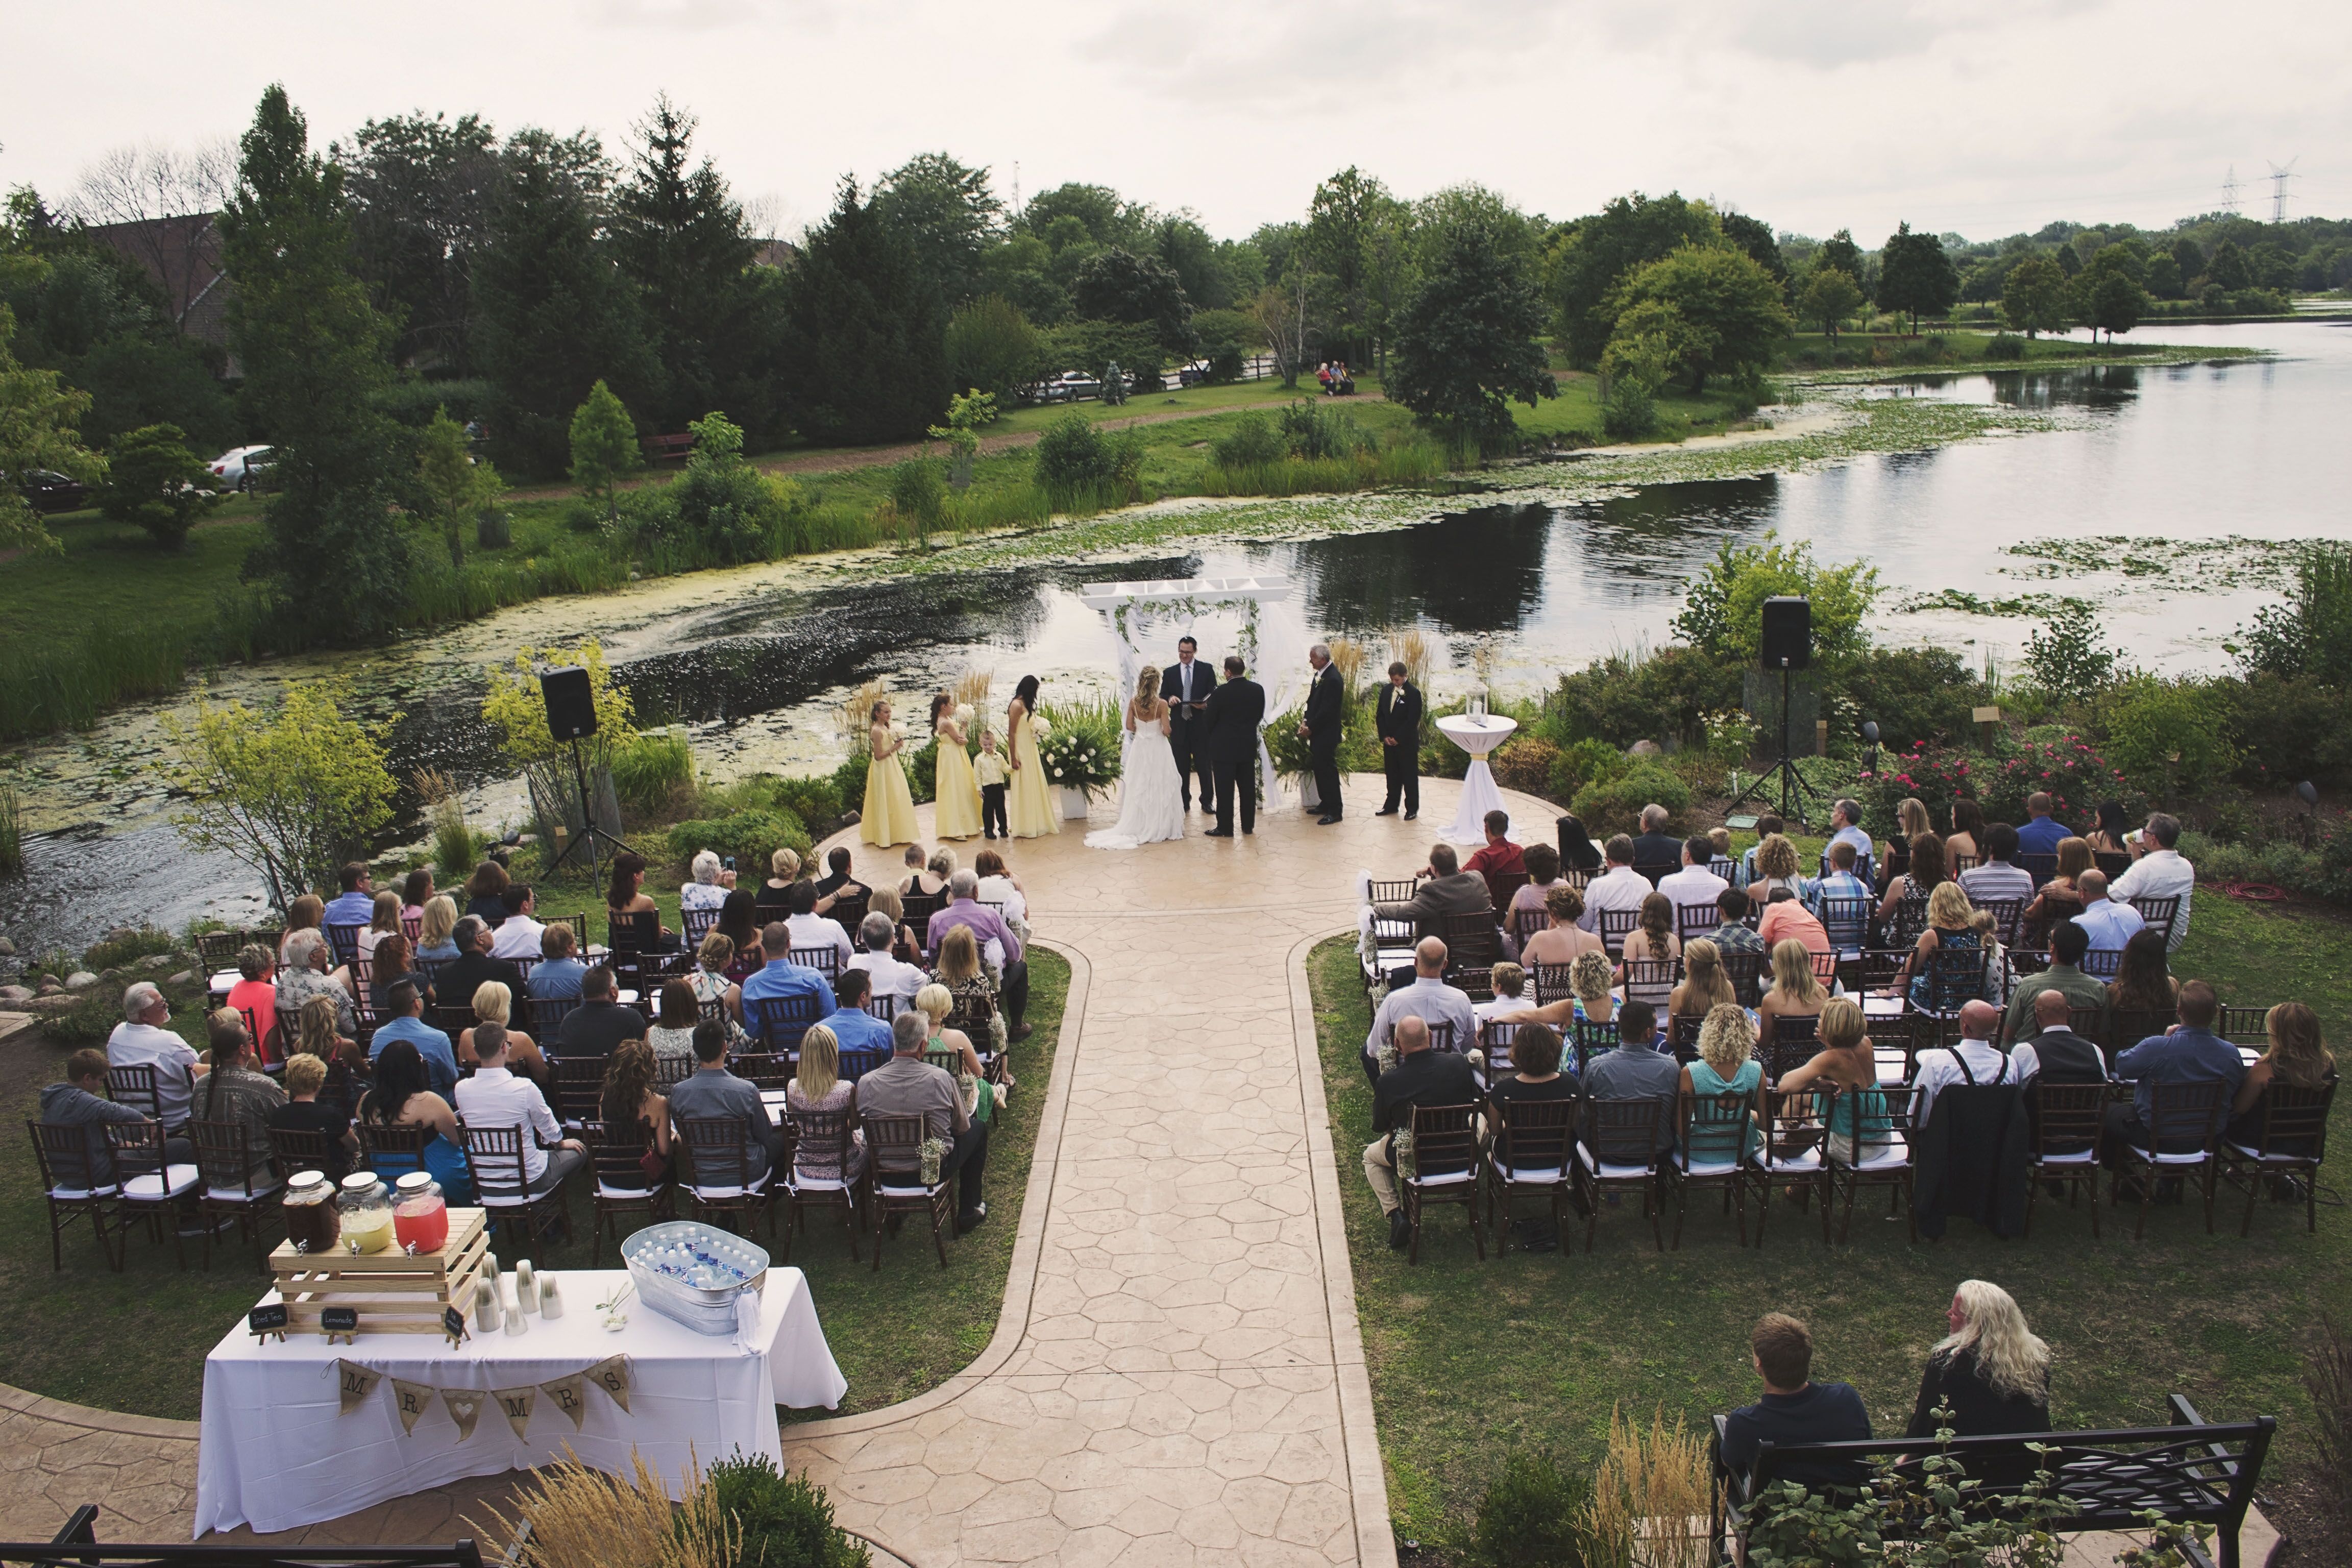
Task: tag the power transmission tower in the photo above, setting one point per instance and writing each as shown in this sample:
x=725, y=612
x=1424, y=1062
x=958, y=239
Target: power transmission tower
x=2279, y=177
x=2229, y=188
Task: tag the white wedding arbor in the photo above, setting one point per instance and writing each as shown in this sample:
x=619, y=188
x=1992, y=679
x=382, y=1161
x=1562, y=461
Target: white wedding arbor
x=1271, y=640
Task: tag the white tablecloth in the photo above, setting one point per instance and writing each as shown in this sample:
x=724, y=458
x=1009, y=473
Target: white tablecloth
x=274, y=1452
x=1479, y=794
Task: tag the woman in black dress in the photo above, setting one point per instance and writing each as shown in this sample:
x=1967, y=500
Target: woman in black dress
x=1990, y=1371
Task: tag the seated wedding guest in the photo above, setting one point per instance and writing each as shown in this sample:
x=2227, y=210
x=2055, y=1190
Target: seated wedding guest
x=473, y=967
x=629, y=909
x=486, y=893
x=494, y=1004
x=403, y=1096
x=1951, y=928
x=708, y=977
x=405, y=1024
x=1845, y=827
x=384, y=920
x=1735, y=934
x=1990, y=1376
x=2158, y=870
x=255, y=994
x=2108, y=923
x=2064, y=976
x=1542, y=862
x=2060, y=898
x=980, y=1096
x=817, y=1085
x=356, y=903
x=1767, y=826
x=837, y=880
x=1965, y=842
x=740, y=922
x=1450, y=891
x=1975, y=1057
x=1508, y=982
x=931, y=877
x=2190, y=1052
x=1786, y=918
x=907, y=1085
x=710, y=886
x=1704, y=985
x=1590, y=998
x=784, y=869
x=2041, y=834
x=304, y=913
x=915, y=858
x=672, y=1034
x=556, y=976
x=234, y=1092
x=1910, y=821
x=316, y=1033
x=998, y=945
x=600, y=1022
x=1576, y=850
x=998, y=885
x=1421, y=1077
x=518, y=935
x=1498, y=859
x=80, y=1101
x=415, y=892
x=389, y=967
x=1656, y=851
x=1536, y=1070
x=1618, y=888
x=1426, y=997
x=779, y=976
x=853, y=1028
x=1923, y=874
x=2297, y=1056
x=1637, y=1070
x=1795, y=991
x=890, y=977
x=964, y=978
x=1846, y=1063
x=2055, y=1053
x=635, y=1110
x=1794, y=1409
x=1776, y=868
x=712, y=1093
x=1719, y=844
x=1999, y=876
x=1841, y=883
x=434, y=942
x=2143, y=981
x=497, y=1097
x=302, y=974
x=1726, y=1063
x=1695, y=883
x=1564, y=939
x=813, y=930
x=1654, y=940
x=2111, y=833
x=904, y=943
x=303, y=1111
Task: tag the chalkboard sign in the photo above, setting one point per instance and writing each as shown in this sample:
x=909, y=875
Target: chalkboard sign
x=453, y=1323
x=266, y=1320
x=340, y=1320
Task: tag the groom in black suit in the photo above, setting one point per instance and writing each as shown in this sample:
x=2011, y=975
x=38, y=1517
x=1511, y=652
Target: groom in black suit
x=1321, y=728
x=1185, y=686
x=1235, y=710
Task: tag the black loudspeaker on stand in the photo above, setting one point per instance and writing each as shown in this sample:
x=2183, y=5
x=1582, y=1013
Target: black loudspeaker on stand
x=572, y=716
x=1788, y=644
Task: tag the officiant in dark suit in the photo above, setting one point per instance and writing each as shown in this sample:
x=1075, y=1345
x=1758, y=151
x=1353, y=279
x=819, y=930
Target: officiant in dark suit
x=1235, y=710
x=1185, y=686
x=1320, y=725
x=1397, y=719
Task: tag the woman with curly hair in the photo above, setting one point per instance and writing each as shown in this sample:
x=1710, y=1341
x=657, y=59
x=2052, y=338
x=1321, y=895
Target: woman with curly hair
x=1776, y=867
x=634, y=1112
x=1726, y=1064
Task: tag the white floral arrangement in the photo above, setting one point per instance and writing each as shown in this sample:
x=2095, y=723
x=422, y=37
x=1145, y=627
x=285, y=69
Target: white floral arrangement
x=1078, y=758
x=963, y=717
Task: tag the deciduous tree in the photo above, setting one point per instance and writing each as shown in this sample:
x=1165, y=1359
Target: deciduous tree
x=1914, y=275
x=37, y=416
x=990, y=345
x=1586, y=264
x=2036, y=298
x=946, y=210
x=421, y=190
x=2107, y=298
x=1733, y=310
x=1466, y=339
x=1117, y=286
x=1830, y=297
x=153, y=481
x=452, y=486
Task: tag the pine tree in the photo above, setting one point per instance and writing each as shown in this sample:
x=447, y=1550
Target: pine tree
x=863, y=333
x=604, y=448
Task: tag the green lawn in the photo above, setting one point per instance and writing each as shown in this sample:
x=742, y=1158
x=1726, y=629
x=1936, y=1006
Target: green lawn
x=1470, y=1360
x=137, y=1340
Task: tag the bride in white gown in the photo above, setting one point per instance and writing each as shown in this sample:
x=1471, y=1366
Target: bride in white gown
x=1150, y=795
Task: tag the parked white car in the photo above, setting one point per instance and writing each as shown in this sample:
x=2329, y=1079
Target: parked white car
x=241, y=468
x=1069, y=387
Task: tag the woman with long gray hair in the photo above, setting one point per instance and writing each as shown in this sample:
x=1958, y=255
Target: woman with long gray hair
x=1990, y=1371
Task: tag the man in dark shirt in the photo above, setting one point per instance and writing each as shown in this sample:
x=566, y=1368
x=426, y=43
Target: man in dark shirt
x=1794, y=1408
x=1656, y=852
x=455, y=981
x=2057, y=1056
x=837, y=875
x=1421, y=1077
x=2068, y=943
x=2191, y=1052
x=599, y=1022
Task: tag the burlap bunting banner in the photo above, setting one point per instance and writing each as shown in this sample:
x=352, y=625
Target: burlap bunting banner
x=571, y=1396
x=516, y=1405
x=464, y=1408
x=612, y=1375
x=354, y=1383
x=410, y=1399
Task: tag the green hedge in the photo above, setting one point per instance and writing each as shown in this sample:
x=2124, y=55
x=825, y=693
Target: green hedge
x=751, y=837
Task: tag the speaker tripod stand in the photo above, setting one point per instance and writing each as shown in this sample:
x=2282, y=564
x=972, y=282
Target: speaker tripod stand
x=1797, y=797
x=589, y=832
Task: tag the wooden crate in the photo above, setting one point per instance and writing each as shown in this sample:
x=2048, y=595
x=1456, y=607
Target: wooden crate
x=395, y=1293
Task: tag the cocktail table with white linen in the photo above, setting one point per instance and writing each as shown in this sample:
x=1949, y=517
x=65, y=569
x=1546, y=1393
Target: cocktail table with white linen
x=276, y=1450
x=1478, y=734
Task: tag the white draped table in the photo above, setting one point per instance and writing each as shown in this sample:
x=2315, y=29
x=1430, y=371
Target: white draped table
x=1479, y=795
x=275, y=1452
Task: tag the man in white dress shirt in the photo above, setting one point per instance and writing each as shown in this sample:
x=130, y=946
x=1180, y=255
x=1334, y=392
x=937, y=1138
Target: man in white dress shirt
x=495, y=1097
x=519, y=934
x=2158, y=870
x=1428, y=998
x=1695, y=883
x=1618, y=888
x=811, y=930
x=891, y=978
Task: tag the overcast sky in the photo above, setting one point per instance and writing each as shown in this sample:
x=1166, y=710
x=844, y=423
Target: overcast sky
x=1984, y=119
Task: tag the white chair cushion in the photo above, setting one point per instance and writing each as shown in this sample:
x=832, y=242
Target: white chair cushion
x=1804, y=1160
x=720, y=1195
x=2193, y=1157
x=1883, y=1156
x=237, y=1195
x=1609, y=1172
x=888, y=1191
x=1444, y=1179
x=2079, y=1157
x=1708, y=1167
x=2270, y=1159
x=152, y=1188
x=1535, y=1175
x=622, y=1195
x=84, y=1195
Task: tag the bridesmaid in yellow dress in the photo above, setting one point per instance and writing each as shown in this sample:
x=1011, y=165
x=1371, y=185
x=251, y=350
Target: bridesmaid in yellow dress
x=890, y=804
x=1030, y=811
x=955, y=790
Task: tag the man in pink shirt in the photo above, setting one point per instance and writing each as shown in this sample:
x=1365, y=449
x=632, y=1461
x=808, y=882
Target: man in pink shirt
x=1786, y=917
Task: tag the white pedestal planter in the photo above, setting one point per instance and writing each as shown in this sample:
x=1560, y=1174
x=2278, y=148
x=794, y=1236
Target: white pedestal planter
x=1077, y=805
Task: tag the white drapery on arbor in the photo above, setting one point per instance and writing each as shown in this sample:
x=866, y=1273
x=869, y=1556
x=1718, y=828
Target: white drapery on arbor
x=1271, y=642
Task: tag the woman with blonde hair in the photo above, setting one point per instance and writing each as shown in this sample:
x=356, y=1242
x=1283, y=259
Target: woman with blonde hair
x=1796, y=992
x=889, y=814
x=1589, y=999
x=494, y=1004
x=1704, y=986
x=435, y=941
x=1990, y=1373
x=817, y=1085
x=929, y=877
x=1951, y=928
x=1776, y=867
x=935, y=1002
x=965, y=979
x=1910, y=821
x=903, y=945
x=384, y=920
x=2297, y=1056
x=783, y=870
x=1563, y=941
x=708, y=978
x=318, y=1033
x=1847, y=1065
x=954, y=787
x=2058, y=898
x=1151, y=791
x=1727, y=1065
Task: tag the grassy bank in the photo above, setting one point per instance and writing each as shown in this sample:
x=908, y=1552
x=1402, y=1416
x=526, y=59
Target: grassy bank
x=1470, y=1362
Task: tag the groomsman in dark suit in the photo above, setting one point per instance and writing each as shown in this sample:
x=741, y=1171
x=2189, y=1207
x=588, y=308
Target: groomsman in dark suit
x=1321, y=728
x=1235, y=708
x=1185, y=686
x=1397, y=719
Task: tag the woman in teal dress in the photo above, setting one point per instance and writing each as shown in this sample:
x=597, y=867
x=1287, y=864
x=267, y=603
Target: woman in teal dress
x=1726, y=1065
x=1861, y=1121
x=403, y=1096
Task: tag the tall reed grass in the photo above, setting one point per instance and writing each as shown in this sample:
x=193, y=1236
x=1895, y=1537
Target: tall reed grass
x=1650, y=1499
x=12, y=832
x=1413, y=462
x=582, y=1518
